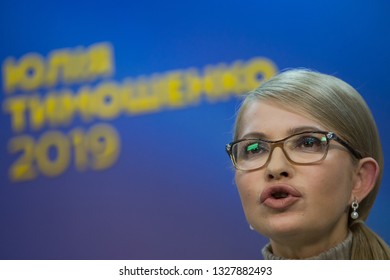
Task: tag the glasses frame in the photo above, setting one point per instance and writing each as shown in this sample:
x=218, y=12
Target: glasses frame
x=280, y=143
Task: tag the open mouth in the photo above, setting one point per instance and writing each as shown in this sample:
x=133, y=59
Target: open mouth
x=279, y=197
x=279, y=194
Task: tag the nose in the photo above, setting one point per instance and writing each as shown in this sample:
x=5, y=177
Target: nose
x=278, y=165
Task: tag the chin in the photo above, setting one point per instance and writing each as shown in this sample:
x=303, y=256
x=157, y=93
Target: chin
x=281, y=225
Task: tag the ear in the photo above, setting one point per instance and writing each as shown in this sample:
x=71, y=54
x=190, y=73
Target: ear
x=366, y=174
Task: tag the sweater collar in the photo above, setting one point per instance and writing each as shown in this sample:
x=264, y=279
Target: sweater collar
x=341, y=251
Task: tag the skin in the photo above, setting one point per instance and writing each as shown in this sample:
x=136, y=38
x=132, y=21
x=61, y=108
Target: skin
x=318, y=220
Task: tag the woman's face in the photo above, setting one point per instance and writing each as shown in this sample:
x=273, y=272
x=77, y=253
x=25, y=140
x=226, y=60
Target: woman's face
x=318, y=196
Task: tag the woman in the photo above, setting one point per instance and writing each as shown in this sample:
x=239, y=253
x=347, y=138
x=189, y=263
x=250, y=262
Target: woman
x=308, y=165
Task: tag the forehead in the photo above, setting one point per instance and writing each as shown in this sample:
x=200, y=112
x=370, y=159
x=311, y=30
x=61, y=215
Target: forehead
x=273, y=120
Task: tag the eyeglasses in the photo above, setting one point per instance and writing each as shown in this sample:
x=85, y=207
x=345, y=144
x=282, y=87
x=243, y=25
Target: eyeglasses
x=302, y=148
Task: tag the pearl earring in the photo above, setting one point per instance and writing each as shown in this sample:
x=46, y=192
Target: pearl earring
x=250, y=227
x=354, y=214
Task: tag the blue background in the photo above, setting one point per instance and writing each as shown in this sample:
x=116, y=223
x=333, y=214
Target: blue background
x=165, y=202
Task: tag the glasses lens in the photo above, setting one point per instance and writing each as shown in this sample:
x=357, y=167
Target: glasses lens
x=306, y=147
x=250, y=154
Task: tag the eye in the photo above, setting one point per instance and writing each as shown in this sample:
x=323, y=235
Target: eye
x=310, y=143
x=252, y=148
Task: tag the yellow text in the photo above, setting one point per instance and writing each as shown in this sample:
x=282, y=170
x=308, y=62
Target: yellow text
x=145, y=94
x=66, y=66
x=54, y=151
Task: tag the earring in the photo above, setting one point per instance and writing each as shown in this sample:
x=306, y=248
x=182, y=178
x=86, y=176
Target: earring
x=354, y=214
x=250, y=227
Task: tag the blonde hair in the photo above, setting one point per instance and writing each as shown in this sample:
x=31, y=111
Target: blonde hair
x=339, y=107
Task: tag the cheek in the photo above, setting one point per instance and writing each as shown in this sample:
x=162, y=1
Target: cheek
x=329, y=187
x=248, y=188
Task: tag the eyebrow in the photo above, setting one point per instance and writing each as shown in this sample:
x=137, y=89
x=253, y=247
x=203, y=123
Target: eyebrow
x=303, y=129
x=290, y=131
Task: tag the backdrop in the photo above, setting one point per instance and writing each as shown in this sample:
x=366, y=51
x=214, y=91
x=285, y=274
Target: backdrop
x=115, y=115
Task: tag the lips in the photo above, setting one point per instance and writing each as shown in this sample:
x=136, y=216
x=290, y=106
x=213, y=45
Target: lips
x=279, y=197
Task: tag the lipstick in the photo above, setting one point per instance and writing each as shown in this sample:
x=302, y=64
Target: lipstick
x=279, y=197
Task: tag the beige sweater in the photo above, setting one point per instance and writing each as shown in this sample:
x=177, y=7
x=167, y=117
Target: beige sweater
x=341, y=251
